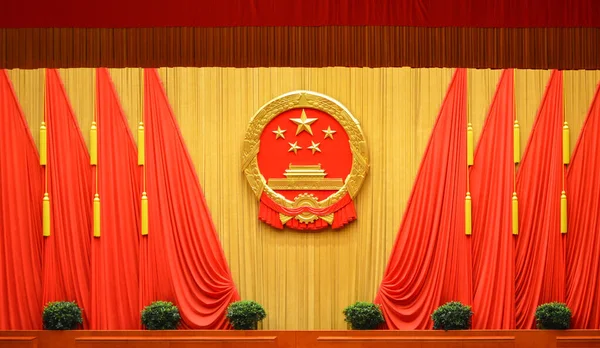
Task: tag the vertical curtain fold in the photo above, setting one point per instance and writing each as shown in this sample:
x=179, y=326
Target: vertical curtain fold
x=430, y=263
x=540, y=259
x=21, y=192
x=115, y=255
x=181, y=236
x=67, y=250
x=583, y=237
x=492, y=184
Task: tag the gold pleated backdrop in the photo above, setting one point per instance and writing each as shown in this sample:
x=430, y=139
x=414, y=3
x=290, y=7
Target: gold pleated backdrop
x=305, y=280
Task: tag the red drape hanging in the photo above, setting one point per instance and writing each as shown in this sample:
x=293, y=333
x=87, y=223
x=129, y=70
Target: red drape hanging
x=540, y=259
x=67, y=250
x=232, y=13
x=583, y=237
x=492, y=185
x=21, y=192
x=115, y=255
x=182, y=238
x=430, y=263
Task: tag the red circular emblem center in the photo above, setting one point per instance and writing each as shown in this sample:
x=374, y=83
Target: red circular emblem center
x=301, y=146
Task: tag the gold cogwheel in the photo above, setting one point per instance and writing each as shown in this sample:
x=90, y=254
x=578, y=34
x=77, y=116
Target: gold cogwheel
x=306, y=200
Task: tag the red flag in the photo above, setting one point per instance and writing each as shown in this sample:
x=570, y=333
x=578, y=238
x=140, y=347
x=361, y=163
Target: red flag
x=21, y=193
x=540, y=259
x=583, y=237
x=430, y=263
x=185, y=261
x=67, y=250
x=115, y=255
x=492, y=185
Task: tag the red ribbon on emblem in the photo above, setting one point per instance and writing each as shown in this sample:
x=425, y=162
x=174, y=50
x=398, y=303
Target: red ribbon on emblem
x=343, y=213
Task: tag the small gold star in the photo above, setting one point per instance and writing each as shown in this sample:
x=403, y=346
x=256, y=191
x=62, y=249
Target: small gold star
x=294, y=147
x=302, y=102
x=279, y=133
x=303, y=123
x=328, y=133
x=314, y=147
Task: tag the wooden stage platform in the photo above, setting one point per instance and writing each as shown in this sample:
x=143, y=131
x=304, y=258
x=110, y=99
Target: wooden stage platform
x=300, y=339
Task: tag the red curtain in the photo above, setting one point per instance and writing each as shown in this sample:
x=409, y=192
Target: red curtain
x=492, y=185
x=21, y=192
x=540, y=258
x=583, y=236
x=228, y=13
x=115, y=255
x=66, y=265
x=430, y=263
x=184, y=259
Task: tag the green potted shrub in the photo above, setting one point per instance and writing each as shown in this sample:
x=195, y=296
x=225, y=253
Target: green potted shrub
x=364, y=316
x=452, y=316
x=553, y=316
x=62, y=316
x=161, y=315
x=245, y=315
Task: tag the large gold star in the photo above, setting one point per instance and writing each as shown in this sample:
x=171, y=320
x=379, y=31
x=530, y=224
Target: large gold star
x=303, y=123
x=314, y=147
x=279, y=133
x=294, y=147
x=328, y=133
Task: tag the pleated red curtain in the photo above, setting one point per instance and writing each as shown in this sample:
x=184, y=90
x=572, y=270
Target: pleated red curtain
x=184, y=259
x=115, y=255
x=272, y=13
x=430, y=263
x=583, y=237
x=66, y=264
x=155, y=273
x=540, y=258
x=492, y=185
x=21, y=192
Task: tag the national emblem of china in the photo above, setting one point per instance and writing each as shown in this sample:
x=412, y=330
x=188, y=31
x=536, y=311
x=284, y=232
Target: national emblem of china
x=305, y=157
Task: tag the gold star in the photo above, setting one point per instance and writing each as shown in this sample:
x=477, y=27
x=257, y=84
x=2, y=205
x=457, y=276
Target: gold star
x=303, y=123
x=328, y=133
x=279, y=133
x=302, y=102
x=314, y=147
x=294, y=147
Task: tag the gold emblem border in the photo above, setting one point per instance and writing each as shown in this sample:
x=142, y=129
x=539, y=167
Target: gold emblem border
x=298, y=100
